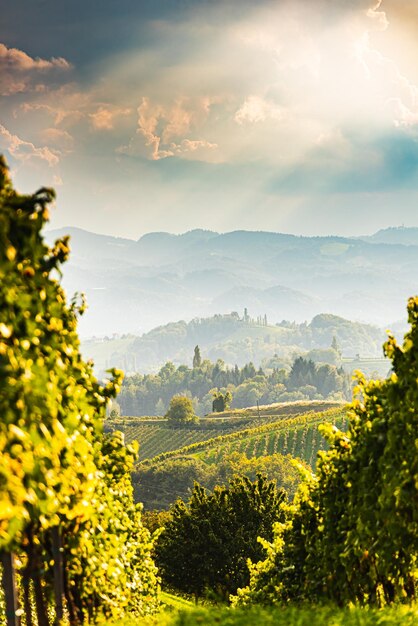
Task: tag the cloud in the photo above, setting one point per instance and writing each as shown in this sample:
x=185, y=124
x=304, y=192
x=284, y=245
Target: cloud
x=188, y=145
x=57, y=138
x=294, y=91
x=168, y=130
x=19, y=72
x=67, y=105
x=24, y=151
x=255, y=109
x=402, y=115
x=286, y=73
x=104, y=117
x=12, y=58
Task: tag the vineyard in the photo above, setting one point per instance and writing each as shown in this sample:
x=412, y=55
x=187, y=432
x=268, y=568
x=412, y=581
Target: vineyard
x=298, y=435
x=299, y=440
x=156, y=439
x=157, y=436
x=74, y=545
x=280, y=408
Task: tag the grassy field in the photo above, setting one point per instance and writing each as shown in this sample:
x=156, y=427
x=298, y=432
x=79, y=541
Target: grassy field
x=286, y=616
x=156, y=436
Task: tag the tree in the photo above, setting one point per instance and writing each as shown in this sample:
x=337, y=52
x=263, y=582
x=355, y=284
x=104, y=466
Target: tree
x=221, y=401
x=197, y=359
x=302, y=373
x=113, y=409
x=65, y=493
x=335, y=346
x=159, y=485
x=351, y=535
x=180, y=409
x=206, y=543
x=160, y=407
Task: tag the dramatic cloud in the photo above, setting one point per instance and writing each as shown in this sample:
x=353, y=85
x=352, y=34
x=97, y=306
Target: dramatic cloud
x=166, y=131
x=19, y=72
x=104, y=117
x=286, y=75
x=24, y=150
x=286, y=106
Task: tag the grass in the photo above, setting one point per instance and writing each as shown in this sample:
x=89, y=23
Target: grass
x=175, y=602
x=281, y=616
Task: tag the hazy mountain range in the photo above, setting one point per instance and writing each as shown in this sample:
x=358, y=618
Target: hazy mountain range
x=133, y=286
x=237, y=341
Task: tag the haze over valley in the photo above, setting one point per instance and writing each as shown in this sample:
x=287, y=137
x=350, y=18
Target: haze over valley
x=134, y=286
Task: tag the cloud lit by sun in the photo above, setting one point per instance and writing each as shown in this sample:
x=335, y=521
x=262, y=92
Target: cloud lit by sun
x=290, y=106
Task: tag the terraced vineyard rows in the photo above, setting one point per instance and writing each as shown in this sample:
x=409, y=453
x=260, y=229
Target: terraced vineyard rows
x=158, y=439
x=298, y=436
x=300, y=441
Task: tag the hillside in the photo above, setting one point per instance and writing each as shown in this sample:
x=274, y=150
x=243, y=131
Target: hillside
x=132, y=286
x=236, y=340
x=246, y=441
x=297, y=435
x=395, y=235
x=156, y=436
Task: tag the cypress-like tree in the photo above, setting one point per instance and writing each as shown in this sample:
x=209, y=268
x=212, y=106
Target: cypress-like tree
x=197, y=358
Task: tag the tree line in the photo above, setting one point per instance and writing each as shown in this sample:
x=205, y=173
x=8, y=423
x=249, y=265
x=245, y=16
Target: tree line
x=150, y=394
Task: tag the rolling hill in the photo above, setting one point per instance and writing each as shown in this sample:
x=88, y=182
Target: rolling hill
x=133, y=286
x=238, y=442
x=297, y=435
x=238, y=341
x=157, y=436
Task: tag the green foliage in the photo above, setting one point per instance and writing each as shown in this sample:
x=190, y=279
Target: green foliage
x=221, y=401
x=56, y=471
x=154, y=520
x=110, y=554
x=351, y=534
x=284, y=616
x=277, y=467
x=180, y=409
x=161, y=484
x=323, y=379
x=213, y=386
x=197, y=359
x=205, y=546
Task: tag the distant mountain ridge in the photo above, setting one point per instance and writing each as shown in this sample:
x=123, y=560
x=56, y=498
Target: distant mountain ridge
x=237, y=340
x=133, y=286
x=407, y=236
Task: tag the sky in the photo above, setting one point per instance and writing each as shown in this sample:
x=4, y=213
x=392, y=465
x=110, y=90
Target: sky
x=295, y=116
